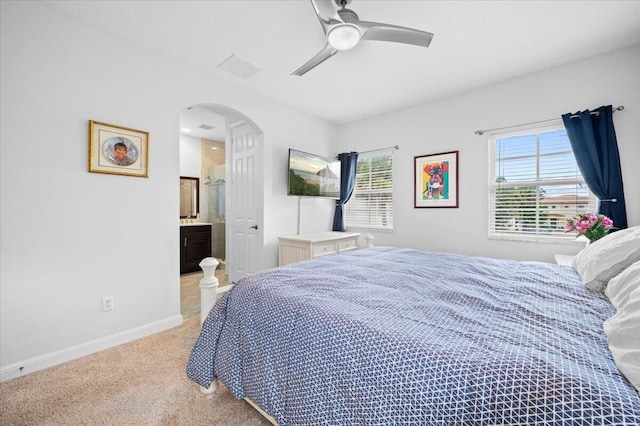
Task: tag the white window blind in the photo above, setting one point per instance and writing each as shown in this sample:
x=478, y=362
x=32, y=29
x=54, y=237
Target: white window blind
x=371, y=204
x=535, y=185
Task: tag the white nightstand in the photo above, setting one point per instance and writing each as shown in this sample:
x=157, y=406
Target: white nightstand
x=564, y=259
x=304, y=247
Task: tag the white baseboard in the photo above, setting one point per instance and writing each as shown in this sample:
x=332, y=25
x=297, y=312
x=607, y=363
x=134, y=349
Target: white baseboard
x=58, y=357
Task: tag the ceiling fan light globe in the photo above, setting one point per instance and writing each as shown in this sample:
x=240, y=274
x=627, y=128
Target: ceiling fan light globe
x=344, y=36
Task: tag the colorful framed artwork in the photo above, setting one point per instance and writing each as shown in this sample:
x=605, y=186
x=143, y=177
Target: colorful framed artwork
x=436, y=180
x=118, y=150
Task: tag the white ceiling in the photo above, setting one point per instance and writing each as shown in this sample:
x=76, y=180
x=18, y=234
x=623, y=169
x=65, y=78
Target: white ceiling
x=476, y=43
x=193, y=118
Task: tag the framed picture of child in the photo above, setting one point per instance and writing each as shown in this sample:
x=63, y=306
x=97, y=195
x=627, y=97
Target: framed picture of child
x=436, y=180
x=118, y=150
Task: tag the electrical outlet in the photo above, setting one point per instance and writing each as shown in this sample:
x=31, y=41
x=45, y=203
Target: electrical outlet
x=107, y=303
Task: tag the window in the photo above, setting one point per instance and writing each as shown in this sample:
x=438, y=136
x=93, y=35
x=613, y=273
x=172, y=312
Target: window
x=371, y=204
x=535, y=185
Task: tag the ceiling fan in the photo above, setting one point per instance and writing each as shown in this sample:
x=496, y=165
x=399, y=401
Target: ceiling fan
x=344, y=29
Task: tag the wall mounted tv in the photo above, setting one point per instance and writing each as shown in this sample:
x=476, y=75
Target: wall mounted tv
x=311, y=175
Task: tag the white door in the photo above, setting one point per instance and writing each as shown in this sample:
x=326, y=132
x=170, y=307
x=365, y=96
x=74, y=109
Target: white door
x=245, y=195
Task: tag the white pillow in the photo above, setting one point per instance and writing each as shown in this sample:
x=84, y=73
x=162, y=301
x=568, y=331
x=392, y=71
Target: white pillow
x=607, y=257
x=623, y=284
x=623, y=333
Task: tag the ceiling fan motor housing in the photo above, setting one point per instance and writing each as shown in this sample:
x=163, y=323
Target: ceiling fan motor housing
x=348, y=16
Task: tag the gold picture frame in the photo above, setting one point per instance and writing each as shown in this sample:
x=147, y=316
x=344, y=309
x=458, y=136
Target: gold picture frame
x=118, y=150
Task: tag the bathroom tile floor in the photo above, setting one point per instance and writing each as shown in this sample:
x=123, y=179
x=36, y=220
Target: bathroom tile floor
x=190, y=290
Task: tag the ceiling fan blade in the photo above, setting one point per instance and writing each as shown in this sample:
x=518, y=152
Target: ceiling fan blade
x=327, y=14
x=327, y=52
x=394, y=33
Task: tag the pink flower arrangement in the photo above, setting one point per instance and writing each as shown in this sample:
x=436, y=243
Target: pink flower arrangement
x=592, y=226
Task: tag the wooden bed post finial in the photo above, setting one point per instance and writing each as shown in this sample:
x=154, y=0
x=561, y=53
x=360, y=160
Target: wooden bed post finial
x=368, y=241
x=208, y=286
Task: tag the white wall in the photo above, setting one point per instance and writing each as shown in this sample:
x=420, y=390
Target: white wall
x=190, y=153
x=449, y=124
x=69, y=237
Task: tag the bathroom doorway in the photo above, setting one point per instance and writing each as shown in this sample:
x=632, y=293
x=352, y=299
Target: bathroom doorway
x=228, y=162
x=203, y=158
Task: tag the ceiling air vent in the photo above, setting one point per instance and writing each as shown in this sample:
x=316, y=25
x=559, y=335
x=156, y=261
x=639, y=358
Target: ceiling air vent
x=238, y=67
x=206, y=127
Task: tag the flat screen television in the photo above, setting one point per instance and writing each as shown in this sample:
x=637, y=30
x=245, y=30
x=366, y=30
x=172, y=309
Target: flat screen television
x=311, y=175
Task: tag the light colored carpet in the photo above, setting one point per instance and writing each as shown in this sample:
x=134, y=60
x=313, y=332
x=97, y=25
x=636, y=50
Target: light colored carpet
x=138, y=383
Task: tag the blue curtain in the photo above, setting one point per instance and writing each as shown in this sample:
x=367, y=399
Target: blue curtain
x=348, y=165
x=593, y=139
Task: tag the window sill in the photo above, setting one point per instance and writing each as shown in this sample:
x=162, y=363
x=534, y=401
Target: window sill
x=540, y=239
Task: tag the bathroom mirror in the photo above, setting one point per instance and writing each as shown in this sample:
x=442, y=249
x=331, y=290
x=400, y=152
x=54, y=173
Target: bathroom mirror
x=189, y=197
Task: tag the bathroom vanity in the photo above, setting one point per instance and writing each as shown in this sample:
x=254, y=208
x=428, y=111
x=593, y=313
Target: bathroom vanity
x=195, y=245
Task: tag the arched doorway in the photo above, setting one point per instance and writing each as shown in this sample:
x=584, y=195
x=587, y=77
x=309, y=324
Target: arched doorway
x=239, y=184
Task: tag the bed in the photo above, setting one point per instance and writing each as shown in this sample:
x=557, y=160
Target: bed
x=383, y=336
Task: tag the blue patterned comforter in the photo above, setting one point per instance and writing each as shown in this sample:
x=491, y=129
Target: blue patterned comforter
x=386, y=336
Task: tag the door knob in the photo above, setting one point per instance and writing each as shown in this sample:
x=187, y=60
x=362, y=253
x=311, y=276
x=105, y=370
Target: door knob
x=253, y=227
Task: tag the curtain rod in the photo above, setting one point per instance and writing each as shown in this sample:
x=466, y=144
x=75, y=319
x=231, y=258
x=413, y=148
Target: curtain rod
x=396, y=147
x=481, y=132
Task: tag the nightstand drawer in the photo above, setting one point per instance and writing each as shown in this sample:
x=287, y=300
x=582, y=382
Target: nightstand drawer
x=320, y=249
x=348, y=244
